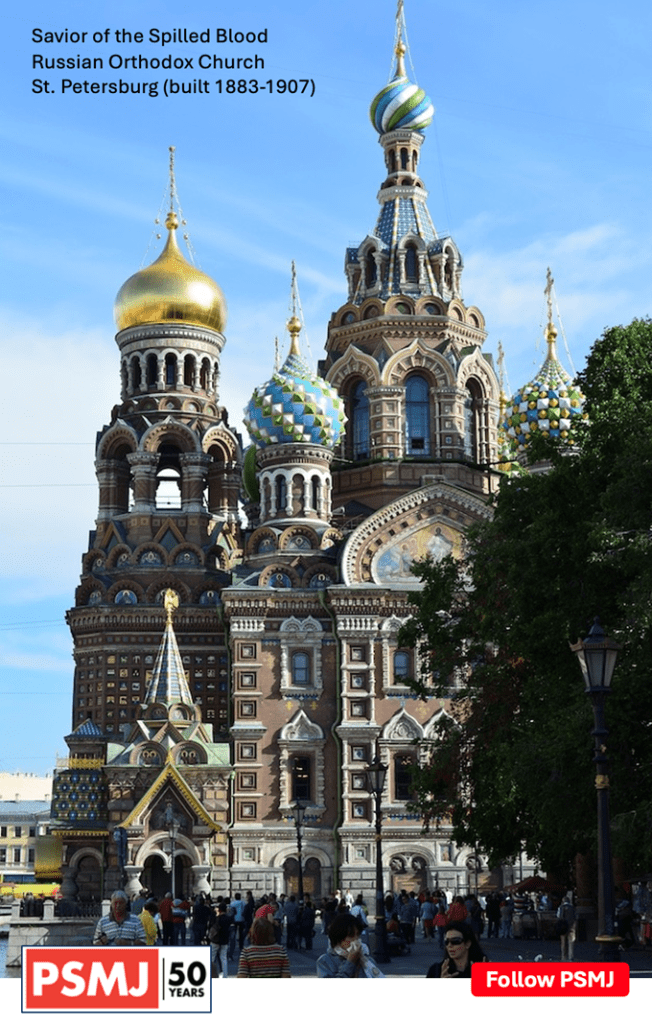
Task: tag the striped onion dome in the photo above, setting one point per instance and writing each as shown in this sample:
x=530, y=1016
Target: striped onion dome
x=401, y=104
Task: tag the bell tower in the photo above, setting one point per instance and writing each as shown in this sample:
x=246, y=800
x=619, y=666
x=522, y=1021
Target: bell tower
x=169, y=470
x=405, y=350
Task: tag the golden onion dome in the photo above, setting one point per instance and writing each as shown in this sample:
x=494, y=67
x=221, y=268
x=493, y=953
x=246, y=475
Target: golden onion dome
x=170, y=290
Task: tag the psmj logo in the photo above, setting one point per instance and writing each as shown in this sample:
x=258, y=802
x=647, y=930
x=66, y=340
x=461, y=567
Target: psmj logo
x=86, y=979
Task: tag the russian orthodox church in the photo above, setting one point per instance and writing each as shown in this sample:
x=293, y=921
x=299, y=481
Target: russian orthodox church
x=235, y=628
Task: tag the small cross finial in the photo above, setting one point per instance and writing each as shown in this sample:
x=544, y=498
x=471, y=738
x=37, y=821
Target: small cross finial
x=173, y=184
x=548, y=293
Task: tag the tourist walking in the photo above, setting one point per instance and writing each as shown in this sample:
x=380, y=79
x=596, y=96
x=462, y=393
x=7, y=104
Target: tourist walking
x=119, y=927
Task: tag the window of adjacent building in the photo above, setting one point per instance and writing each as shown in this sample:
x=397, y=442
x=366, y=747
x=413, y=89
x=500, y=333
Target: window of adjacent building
x=30, y=855
x=247, y=810
x=247, y=780
x=18, y=831
x=3, y=854
x=359, y=417
x=301, y=781
x=300, y=668
x=417, y=416
x=17, y=852
x=403, y=784
x=247, y=751
x=248, y=708
x=3, y=831
x=248, y=680
x=32, y=831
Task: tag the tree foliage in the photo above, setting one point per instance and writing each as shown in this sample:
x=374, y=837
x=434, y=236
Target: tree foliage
x=513, y=760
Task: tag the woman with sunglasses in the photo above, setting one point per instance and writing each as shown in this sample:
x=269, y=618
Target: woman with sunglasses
x=462, y=950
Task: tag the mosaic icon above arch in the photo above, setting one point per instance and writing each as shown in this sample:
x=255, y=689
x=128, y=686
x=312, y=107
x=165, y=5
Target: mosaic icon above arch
x=392, y=564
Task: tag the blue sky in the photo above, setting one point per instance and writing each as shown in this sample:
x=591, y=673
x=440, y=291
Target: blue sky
x=539, y=155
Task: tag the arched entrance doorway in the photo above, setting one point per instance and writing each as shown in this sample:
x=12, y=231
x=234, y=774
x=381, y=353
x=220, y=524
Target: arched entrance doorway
x=156, y=875
x=88, y=879
x=311, y=877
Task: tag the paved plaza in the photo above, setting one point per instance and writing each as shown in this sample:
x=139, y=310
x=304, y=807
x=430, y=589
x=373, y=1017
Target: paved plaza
x=426, y=952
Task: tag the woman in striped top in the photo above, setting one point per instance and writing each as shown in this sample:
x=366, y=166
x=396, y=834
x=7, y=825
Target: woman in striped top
x=263, y=958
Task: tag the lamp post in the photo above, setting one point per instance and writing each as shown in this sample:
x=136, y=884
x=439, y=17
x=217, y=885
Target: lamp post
x=376, y=773
x=299, y=813
x=597, y=657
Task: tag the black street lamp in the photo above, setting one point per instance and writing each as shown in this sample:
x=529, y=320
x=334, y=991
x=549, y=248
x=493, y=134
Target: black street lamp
x=299, y=813
x=376, y=773
x=597, y=657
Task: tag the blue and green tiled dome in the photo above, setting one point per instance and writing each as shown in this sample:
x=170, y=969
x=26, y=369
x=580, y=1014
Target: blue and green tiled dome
x=551, y=403
x=401, y=104
x=295, y=406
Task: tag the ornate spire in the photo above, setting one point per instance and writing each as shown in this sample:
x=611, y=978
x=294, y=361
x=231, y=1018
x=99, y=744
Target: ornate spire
x=168, y=684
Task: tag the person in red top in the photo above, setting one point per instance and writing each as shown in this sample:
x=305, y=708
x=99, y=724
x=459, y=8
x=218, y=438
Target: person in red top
x=165, y=911
x=457, y=911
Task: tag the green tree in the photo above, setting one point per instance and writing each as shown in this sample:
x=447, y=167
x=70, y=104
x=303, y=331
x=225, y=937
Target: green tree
x=512, y=762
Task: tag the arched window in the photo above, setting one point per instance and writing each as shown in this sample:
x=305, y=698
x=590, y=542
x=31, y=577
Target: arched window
x=314, y=492
x=360, y=421
x=411, y=265
x=189, y=371
x=404, y=159
x=152, y=371
x=471, y=405
x=300, y=668
x=281, y=493
x=301, y=787
x=136, y=375
x=403, y=784
x=370, y=270
x=205, y=374
x=417, y=416
x=170, y=370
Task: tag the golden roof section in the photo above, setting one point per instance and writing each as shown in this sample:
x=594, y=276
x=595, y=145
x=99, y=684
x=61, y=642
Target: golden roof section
x=170, y=290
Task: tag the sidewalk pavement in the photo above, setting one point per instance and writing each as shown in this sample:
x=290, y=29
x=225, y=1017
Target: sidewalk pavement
x=426, y=952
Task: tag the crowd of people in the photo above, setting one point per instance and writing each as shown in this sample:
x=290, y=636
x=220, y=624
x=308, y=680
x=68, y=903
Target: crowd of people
x=251, y=937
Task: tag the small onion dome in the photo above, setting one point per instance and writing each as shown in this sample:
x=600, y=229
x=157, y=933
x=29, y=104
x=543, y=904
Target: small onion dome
x=170, y=290
x=507, y=448
x=401, y=104
x=551, y=403
x=295, y=406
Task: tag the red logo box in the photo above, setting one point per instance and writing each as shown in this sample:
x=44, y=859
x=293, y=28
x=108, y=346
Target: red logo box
x=90, y=978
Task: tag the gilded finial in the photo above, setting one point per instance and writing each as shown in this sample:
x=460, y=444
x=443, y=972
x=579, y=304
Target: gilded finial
x=501, y=378
x=170, y=603
x=400, y=48
x=294, y=324
x=551, y=330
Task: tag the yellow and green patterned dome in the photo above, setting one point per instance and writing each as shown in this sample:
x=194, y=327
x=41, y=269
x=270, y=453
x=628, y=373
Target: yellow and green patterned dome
x=550, y=404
